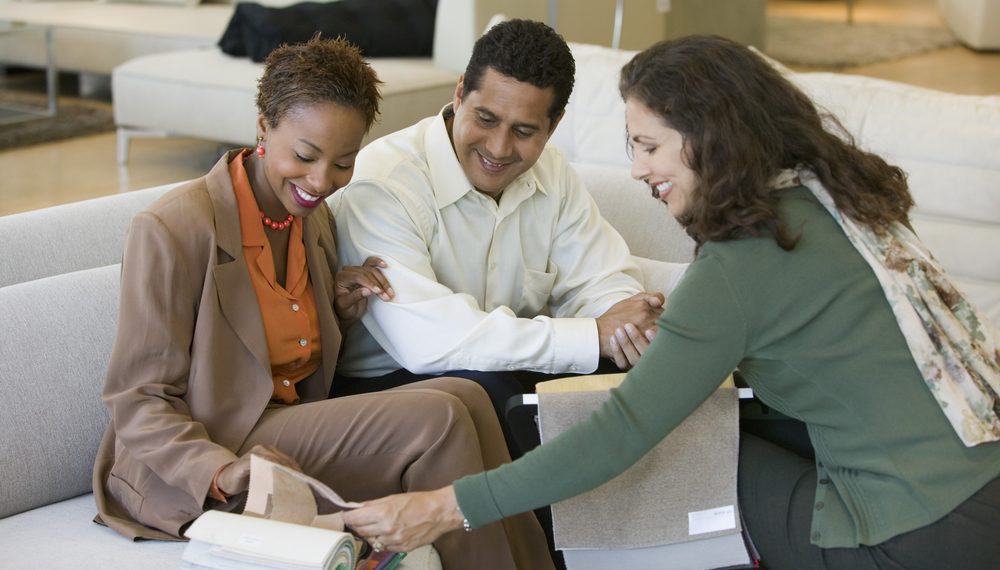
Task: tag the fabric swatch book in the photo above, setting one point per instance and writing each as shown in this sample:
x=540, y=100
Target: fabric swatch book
x=239, y=542
x=291, y=522
x=675, y=508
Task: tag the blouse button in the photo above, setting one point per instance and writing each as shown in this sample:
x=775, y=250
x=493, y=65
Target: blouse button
x=295, y=307
x=303, y=342
x=286, y=383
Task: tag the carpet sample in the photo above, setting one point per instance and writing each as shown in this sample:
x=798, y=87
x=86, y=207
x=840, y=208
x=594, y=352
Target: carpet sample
x=74, y=117
x=837, y=44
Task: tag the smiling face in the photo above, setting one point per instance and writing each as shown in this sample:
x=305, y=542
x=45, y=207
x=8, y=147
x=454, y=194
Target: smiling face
x=308, y=156
x=500, y=129
x=658, y=158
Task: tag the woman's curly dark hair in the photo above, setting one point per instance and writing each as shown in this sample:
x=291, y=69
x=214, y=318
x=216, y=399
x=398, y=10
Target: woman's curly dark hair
x=742, y=123
x=317, y=71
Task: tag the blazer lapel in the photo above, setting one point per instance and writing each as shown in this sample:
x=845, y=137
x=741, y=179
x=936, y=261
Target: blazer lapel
x=321, y=274
x=237, y=298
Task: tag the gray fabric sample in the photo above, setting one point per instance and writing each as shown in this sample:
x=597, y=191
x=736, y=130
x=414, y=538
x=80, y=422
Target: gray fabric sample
x=693, y=469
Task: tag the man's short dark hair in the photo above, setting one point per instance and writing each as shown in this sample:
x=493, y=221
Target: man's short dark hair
x=528, y=51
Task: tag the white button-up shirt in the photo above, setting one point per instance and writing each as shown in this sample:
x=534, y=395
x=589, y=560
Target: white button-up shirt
x=479, y=285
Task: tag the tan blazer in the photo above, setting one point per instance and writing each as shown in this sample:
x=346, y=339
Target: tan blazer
x=189, y=375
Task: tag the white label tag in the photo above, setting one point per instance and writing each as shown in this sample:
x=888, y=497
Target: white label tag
x=663, y=6
x=712, y=520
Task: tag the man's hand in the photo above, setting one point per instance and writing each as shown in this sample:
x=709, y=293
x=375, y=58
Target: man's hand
x=354, y=284
x=639, y=312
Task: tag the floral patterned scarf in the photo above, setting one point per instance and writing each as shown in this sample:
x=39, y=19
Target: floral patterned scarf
x=953, y=346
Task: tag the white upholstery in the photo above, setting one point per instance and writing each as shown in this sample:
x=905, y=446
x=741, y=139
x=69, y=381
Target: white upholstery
x=55, y=348
x=204, y=93
x=69, y=237
x=62, y=536
x=976, y=23
x=948, y=144
x=95, y=36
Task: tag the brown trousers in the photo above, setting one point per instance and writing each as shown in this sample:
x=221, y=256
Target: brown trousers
x=417, y=437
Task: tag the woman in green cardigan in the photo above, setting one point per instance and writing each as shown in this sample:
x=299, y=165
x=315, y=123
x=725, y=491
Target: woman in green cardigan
x=807, y=279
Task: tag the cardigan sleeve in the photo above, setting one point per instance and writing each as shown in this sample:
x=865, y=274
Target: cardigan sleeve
x=702, y=337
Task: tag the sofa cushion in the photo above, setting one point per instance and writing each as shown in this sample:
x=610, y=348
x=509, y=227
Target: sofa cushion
x=69, y=237
x=948, y=144
x=54, y=349
x=48, y=536
x=643, y=221
x=593, y=129
x=207, y=94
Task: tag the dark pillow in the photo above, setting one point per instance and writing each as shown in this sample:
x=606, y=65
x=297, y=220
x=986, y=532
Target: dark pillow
x=380, y=28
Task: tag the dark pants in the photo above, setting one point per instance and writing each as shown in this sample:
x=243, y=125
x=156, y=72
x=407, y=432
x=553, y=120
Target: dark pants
x=777, y=485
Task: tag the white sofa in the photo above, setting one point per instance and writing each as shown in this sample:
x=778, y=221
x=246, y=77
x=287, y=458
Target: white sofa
x=59, y=285
x=169, y=78
x=204, y=93
x=976, y=23
x=92, y=36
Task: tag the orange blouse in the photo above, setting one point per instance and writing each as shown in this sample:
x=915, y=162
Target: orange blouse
x=289, y=312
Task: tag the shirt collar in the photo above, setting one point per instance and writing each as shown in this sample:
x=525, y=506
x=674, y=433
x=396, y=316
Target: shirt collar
x=448, y=179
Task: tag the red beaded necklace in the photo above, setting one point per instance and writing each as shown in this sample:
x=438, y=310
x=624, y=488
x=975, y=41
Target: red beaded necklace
x=282, y=225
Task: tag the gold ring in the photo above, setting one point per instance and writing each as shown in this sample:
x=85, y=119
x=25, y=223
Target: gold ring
x=377, y=545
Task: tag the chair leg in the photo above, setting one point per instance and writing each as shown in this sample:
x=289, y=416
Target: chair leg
x=122, y=147
x=125, y=136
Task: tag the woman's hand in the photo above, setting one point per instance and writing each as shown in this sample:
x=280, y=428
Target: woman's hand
x=628, y=344
x=402, y=523
x=353, y=285
x=235, y=477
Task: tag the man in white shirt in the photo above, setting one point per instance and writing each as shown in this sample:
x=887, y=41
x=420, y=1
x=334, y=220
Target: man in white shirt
x=498, y=256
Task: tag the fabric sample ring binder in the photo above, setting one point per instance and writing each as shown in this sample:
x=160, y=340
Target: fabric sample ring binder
x=675, y=508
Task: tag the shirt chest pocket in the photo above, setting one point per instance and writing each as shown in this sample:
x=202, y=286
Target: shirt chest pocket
x=535, y=293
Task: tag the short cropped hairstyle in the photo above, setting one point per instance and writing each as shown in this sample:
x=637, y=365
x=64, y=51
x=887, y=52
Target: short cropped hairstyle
x=528, y=51
x=317, y=71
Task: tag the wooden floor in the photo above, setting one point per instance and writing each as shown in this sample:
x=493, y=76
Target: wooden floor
x=85, y=167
